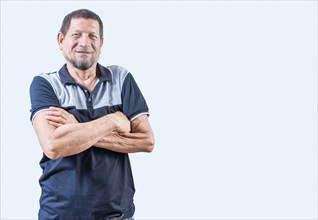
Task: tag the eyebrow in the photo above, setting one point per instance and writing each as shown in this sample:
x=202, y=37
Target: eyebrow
x=92, y=32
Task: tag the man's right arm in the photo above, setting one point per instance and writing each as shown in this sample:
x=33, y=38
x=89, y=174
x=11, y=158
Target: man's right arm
x=73, y=138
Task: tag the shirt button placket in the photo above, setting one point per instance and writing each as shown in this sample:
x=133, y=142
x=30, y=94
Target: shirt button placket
x=89, y=99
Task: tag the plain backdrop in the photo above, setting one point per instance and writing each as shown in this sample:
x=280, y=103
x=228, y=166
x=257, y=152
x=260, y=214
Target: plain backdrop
x=232, y=90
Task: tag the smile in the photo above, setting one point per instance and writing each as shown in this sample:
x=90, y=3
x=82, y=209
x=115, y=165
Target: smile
x=83, y=52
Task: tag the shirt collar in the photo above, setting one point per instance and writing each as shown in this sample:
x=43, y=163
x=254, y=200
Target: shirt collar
x=66, y=78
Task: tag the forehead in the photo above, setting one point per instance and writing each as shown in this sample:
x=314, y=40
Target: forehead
x=83, y=24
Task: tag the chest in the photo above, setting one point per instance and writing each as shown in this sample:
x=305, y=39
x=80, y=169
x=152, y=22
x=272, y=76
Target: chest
x=85, y=105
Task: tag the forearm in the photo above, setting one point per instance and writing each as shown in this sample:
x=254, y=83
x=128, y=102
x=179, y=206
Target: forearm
x=127, y=142
x=70, y=139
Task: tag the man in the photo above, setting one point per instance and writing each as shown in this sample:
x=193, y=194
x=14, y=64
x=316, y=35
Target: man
x=87, y=118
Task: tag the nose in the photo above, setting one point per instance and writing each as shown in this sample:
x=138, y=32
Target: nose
x=84, y=41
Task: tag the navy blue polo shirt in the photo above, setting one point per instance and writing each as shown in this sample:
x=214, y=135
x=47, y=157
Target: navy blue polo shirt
x=96, y=183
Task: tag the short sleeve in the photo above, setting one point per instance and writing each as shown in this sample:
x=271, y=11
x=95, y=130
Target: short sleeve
x=42, y=95
x=133, y=102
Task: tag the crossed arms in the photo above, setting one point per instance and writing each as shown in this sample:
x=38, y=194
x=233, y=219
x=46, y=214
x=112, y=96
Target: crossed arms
x=61, y=135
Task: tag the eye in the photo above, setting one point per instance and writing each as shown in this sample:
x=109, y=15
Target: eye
x=93, y=36
x=76, y=35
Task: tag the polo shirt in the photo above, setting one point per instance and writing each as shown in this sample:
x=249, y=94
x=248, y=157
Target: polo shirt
x=96, y=183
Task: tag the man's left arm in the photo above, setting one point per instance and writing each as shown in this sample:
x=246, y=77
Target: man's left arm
x=140, y=139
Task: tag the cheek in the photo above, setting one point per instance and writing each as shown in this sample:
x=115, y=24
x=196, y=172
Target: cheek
x=70, y=44
x=70, y=49
x=98, y=52
x=67, y=52
x=97, y=45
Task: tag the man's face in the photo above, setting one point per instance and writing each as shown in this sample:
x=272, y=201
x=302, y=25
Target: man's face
x=82, y=43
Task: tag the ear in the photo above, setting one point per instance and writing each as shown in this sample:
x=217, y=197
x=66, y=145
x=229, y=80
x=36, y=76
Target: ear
x=101, y=42
x=60, y=39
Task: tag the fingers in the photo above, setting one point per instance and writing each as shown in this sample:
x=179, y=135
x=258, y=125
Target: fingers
x=55, y=124
x=57, y=117
x=57, y=112
x=55, y=108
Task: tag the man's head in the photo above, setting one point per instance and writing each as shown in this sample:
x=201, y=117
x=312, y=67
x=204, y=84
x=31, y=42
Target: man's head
x=81, y=38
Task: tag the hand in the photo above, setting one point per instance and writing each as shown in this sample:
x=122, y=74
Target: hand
x=58, y=117
x=121, y=122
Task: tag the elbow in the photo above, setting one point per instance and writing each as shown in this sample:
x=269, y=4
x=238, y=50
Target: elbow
x=150, y=145
x=50, y=150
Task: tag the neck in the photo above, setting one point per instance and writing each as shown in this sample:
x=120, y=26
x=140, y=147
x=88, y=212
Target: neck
x=86, y=78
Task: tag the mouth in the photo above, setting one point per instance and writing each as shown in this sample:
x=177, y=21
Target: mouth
x=83, y=52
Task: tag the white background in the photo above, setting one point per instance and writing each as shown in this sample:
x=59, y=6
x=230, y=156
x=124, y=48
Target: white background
x=232, y=89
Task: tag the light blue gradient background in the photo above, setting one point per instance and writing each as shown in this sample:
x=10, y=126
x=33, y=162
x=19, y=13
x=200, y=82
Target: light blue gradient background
x=232, y=88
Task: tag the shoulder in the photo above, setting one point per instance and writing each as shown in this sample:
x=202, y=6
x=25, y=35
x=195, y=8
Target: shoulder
x=118, y=73
x=118, y=70
x=46, y=82
x=46, y=77
x=51, y=78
